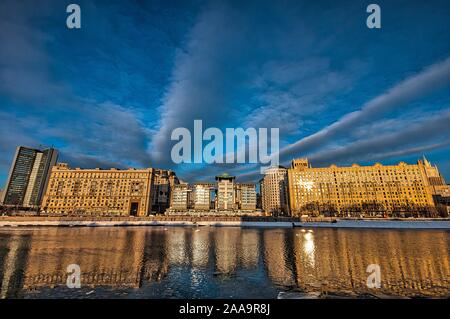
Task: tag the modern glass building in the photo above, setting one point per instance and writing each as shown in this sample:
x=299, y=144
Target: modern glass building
x=28, y=176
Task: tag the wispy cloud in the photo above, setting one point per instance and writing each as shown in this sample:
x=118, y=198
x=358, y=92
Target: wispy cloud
x=294, y=92
x=201, y=78
x=104, y=132
x=382, y=145
x=412, y=151
x=431, y=78
x=216, y=79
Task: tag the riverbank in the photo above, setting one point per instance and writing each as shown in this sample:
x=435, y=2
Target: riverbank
x=226, y=221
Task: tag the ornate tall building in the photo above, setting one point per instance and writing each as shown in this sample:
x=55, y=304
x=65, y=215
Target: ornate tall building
x=431, y=171
x=377, y=189
x=134, y=192
x=225, y=198
x=274, y=190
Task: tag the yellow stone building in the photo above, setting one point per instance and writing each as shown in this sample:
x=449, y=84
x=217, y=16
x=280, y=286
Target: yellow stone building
x=96, y=191
x=397, y=190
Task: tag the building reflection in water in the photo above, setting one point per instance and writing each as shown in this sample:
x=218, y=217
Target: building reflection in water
x=278, y=256
x=249, y=247
x=13, y=259
x=412, y=262
x=226, y=250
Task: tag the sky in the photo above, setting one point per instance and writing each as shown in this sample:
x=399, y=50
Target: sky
x=111, y=93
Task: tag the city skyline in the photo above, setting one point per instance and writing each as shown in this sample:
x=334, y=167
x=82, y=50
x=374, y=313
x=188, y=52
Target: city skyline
x=209, y=179
x=37, y=181
x=109, y=94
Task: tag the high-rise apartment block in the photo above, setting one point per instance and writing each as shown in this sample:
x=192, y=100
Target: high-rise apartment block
x=274, y=191
x=28, y=176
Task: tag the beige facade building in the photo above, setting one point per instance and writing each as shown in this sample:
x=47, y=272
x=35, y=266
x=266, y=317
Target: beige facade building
x=97, y=191
x=274, y=190
x=180, y=197
x=442, y=190
x=230, y=196
x=202, y=196
x=378, y=189
x=225, y=196
x=246, y=196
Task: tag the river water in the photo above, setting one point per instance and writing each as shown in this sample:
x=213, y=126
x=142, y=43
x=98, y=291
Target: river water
x=227, y=262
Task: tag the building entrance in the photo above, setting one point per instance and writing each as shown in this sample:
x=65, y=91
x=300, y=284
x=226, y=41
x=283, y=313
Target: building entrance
x=134, y=208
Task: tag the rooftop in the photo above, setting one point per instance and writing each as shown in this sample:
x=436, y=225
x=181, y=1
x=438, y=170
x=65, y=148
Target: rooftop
x=225, y=176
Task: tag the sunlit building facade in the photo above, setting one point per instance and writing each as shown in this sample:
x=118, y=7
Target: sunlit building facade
x=246, y=196
x=441, y=195
x=274, y=190
x=225, y=198
x=230, y=197
x=354, y=190
x=202, y=195
x=96, y=191
x=432, y=172
x=180, y=197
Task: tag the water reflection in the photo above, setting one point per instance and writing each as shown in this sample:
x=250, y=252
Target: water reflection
x=221, y=262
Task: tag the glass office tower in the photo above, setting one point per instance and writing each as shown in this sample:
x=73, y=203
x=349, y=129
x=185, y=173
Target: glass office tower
x=28, y=176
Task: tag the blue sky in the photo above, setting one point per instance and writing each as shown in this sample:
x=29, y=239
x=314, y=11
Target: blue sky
x=110, y=93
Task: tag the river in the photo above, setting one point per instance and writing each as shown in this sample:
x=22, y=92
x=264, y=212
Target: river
x=221, y=262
